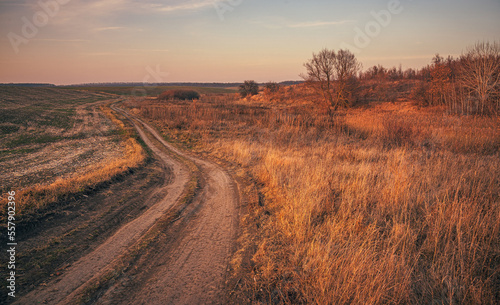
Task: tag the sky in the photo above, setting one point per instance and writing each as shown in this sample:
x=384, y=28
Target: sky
x=89, y=41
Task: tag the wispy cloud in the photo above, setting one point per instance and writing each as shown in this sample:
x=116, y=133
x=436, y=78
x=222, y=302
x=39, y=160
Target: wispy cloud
x=98, y=54
x=124, y=52
x=62, y=40
x=318, y=24
x=101, y=11
x=7, y=3
x=108, y=28
x=148, y=50
x=185, y=5
x=278, y=22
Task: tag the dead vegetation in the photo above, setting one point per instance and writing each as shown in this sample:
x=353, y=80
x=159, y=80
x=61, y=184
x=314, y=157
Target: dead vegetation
x=382, y=204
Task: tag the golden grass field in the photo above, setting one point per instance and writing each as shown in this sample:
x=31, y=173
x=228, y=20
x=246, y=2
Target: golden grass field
x=381, y=204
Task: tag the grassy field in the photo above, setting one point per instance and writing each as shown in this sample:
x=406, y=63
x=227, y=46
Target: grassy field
x=383, y=204
x=55, y=142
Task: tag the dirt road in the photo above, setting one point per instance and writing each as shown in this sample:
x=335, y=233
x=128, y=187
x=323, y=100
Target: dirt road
x=187, y=266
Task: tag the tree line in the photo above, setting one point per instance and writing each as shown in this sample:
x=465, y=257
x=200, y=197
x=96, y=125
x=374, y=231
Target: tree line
x=469, y=84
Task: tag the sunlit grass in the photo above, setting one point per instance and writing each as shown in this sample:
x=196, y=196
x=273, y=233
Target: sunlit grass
x=387, y=204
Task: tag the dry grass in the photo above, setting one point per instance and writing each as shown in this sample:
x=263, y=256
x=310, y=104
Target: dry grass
x=34, y=198
x=382, y=205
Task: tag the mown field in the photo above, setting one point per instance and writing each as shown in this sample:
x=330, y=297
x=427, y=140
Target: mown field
x=77, y=171
x=142, y=91
x=380, y=204
x=55, y=142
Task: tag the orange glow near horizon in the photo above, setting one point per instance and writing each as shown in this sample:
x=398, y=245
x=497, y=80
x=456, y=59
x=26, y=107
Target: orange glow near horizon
x=198, y=41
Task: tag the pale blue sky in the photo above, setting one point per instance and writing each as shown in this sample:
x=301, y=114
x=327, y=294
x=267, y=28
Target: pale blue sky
x=225, y=40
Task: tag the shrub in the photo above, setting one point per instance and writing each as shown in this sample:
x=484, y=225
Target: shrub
x=272, y=87
x=250, y=87
x=179, y=94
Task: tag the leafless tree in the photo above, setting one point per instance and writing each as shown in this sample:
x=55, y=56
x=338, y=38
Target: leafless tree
x=320, y=73
x=332, y=74
x=480, y=75
x=346, y=67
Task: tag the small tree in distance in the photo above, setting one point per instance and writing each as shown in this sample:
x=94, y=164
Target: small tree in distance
x=249, y=87
x=334, y=76
x=272, y=87
x=320, y=73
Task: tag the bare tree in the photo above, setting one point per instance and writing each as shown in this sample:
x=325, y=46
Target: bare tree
x=332, y=74
x=346, y=67
x=480, y=74
x=320, y=73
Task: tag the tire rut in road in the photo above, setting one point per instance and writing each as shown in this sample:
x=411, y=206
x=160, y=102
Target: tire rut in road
x=190, y=267
x=196, y=266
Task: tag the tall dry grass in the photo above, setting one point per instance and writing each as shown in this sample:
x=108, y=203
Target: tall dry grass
x=384, y=205
x=38, y=197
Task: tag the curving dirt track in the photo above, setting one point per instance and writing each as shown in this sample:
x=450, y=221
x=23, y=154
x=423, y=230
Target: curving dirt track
x=188, y=266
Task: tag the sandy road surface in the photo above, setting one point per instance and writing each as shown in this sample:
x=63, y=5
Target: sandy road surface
x=190, y=269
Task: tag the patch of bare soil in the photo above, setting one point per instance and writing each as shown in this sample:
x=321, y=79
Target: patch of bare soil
x=187, y=263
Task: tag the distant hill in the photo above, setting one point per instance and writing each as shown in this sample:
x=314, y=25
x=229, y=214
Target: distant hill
x=138, y=84
x=188, y=84
x=28, y=85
